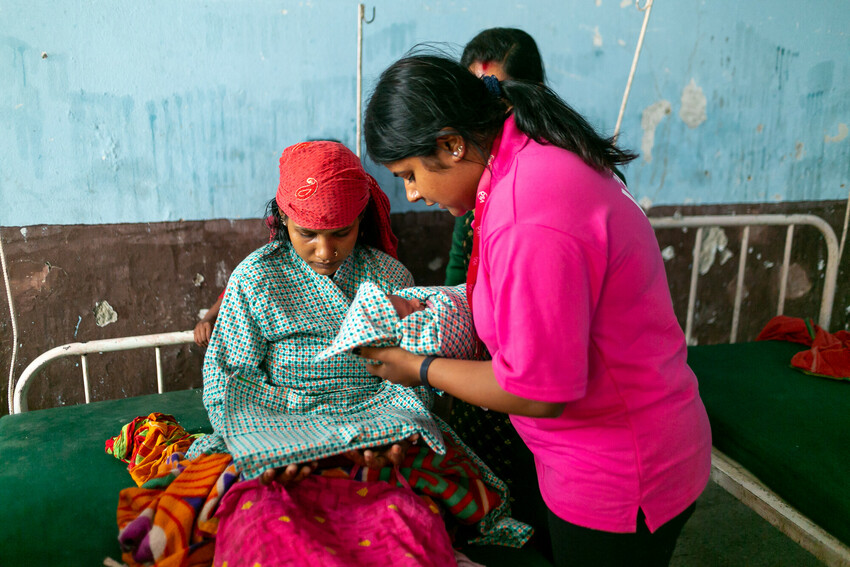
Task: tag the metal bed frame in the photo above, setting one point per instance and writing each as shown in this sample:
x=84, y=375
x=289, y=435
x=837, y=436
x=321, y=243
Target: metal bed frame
x=725, y=472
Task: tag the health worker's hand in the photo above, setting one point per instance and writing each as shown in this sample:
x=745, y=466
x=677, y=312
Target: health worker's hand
x=397, y=365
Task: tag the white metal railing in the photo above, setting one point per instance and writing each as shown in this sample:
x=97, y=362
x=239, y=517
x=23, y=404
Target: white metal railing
x=699, y=222
x=746, y=221
x=100, y=346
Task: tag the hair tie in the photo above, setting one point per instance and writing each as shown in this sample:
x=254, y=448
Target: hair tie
x=492, y=84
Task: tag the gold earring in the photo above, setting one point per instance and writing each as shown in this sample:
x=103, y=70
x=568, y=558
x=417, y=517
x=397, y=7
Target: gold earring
x=336, y=253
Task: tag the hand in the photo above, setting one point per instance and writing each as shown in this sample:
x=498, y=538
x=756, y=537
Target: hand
x=397, y=365
x=405, y=307
x=383, y=456
x=288, y=474
x=203, y=332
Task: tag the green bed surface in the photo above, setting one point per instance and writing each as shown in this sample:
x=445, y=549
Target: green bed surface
x=791, y=430
x=59, y=488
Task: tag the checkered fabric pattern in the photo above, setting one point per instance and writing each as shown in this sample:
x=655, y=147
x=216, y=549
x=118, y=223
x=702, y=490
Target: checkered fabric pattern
x=262, y=435
x=276, y=316
x=444, y=328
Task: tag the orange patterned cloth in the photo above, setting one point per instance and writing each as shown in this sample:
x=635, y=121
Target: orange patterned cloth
x=147, y=443
x=175, y=527
x=828, y=355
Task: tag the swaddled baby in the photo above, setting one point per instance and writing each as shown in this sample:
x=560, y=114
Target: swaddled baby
x=422, y=320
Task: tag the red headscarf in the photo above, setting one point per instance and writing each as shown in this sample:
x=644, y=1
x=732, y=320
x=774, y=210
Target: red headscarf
x=324, y=186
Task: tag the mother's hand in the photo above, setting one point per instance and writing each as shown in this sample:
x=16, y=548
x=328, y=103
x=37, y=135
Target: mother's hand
x=288, y=474
x=396, y=364
x=388, y=455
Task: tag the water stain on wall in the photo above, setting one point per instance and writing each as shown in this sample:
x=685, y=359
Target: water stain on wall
x=694, y=104
x=650, y=119
x=842, y=134
x=799, y=283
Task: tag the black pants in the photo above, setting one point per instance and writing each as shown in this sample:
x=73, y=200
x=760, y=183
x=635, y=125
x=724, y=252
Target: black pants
x=577, y=546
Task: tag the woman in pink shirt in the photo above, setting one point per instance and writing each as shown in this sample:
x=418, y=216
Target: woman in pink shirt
x=569, y=297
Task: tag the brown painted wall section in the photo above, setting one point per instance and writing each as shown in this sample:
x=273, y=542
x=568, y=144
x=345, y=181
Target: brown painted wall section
x=157, y=276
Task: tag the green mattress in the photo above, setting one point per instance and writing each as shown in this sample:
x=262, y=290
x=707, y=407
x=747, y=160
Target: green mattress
x=59, y=488
x=791, y=430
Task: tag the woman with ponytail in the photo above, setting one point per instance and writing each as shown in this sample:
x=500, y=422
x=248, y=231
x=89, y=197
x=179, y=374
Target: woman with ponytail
x=569, y=297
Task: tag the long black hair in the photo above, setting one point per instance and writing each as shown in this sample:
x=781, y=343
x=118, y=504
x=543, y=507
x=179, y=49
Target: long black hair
x=512, y=47
x=419, y=97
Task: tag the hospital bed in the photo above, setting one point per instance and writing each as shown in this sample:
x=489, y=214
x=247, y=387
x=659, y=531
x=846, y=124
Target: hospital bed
x=780, y=436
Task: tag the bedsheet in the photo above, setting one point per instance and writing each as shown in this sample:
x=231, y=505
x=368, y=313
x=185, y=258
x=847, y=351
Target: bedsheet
x=791, y=430
x=59, y=488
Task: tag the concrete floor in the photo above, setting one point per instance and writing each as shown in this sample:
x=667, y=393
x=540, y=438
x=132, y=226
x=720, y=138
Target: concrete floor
x=725, y=533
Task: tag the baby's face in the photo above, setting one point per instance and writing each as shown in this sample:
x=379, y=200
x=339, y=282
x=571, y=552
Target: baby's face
x=405, y=307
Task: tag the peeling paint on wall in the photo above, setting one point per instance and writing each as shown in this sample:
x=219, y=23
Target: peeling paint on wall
x=104, y=314
x=715, y=241
x=668, y=253
x=799, y=283
x=692, y=112
x=198, y=280
x=597, y=37
x=649, y=121
x=842, y=134
x=35, y=280
x=222, y=274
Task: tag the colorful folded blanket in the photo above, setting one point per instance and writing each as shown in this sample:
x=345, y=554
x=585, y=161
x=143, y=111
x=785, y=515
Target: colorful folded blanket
x=147, y=443
x=828, y=355
x=174, y=525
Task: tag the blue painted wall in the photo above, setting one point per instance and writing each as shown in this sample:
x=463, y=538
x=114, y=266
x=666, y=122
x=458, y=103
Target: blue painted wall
x=157, y=111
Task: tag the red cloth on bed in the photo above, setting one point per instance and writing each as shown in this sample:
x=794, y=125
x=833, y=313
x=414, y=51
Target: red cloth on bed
x=828, y=355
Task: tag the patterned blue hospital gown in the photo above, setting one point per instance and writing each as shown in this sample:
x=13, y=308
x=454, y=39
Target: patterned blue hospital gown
x=269, y=402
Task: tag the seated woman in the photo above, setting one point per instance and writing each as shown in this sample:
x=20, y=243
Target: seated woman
x=273, y=407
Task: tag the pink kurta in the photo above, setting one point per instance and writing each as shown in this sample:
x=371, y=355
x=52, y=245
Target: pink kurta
x=573, y=304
